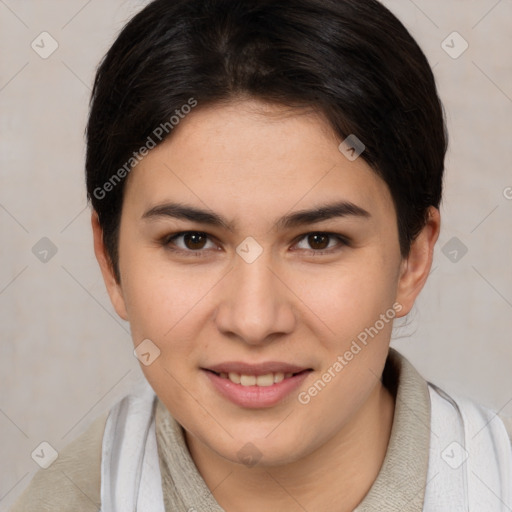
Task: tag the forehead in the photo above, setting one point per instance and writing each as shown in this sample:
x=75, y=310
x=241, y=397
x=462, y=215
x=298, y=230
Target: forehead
x=249, y=155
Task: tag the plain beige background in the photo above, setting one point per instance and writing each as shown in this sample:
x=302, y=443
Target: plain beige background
x=66, y=357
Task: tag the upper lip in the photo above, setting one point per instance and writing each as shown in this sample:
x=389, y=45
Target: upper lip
x=256, y=369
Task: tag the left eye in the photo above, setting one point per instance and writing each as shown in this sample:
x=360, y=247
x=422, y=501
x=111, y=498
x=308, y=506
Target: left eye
x=321, y=241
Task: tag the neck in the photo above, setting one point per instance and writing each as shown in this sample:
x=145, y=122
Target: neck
x=333, y=478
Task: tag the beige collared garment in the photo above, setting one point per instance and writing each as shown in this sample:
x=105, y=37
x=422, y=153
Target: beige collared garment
x=72, y=483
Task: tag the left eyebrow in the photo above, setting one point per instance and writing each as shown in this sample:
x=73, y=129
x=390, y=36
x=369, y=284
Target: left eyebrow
x=293, y=220
x=321, y=213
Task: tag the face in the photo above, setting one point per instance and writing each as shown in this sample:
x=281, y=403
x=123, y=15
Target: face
x=283, y=251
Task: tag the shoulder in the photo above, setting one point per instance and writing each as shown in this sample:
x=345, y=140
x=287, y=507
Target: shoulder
x=476, y=415
x=508, y=425
x=73, y=481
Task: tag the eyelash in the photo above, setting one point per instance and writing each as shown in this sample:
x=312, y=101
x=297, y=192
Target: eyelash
x=167, y=240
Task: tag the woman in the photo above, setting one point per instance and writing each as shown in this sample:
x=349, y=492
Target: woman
x=265, y=179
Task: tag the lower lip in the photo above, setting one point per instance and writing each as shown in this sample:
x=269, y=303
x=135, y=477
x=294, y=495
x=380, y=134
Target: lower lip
x=254, y=397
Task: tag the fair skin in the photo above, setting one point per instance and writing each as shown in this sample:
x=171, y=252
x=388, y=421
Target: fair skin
x=253, y=164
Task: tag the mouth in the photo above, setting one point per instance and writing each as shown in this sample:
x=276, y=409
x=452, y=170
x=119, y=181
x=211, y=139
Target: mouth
x=255, y=389
x=262, y=380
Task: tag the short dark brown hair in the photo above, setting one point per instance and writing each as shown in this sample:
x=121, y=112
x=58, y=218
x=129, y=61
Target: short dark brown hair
x=351, y=60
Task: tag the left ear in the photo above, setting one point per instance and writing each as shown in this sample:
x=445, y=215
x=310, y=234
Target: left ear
x=416, y=267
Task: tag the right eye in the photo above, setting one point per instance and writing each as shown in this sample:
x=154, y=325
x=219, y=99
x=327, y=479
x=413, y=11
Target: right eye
x=192, y=242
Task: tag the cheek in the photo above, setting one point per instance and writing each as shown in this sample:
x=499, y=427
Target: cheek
x=168, y=303
x=158, y=303
x=166, y=308
x=350, y=297
x=354, y=317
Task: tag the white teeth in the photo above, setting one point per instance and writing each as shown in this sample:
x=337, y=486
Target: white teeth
x=265, y=380
x=248, y=380
x=253, y=380
x=234, y=377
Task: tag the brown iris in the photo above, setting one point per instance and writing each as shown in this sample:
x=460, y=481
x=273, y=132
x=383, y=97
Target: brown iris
x=195, y=241
x=318, y=240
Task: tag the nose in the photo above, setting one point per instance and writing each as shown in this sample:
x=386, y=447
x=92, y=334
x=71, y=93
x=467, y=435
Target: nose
x=255, y=304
